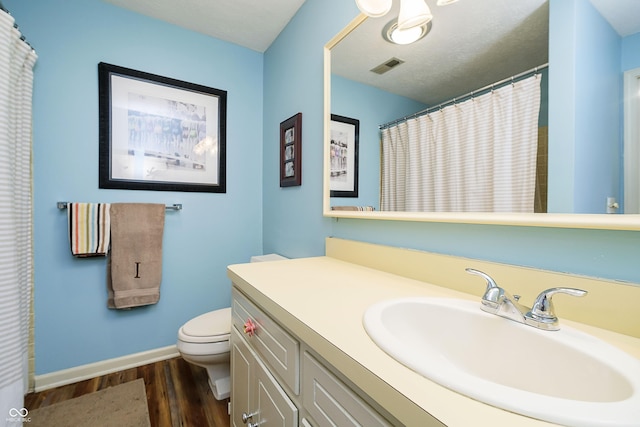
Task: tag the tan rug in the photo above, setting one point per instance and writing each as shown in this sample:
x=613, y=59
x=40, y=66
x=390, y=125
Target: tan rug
x=124, y=405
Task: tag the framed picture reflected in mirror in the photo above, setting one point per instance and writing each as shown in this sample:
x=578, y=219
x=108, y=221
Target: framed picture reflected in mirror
x=343, y=156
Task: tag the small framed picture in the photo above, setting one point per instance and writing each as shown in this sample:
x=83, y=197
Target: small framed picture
x=343, y=155
x=158, y=133
x=290, y=151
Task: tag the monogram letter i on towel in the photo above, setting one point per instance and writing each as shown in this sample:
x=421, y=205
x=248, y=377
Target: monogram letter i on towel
x=134, y=269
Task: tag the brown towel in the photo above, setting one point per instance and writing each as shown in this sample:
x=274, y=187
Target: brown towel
x=134, y=269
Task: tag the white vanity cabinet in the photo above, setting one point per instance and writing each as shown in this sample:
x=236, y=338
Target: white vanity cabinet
x=330, y=402
x=342, y=377
x=257, y=398
x=277, y=380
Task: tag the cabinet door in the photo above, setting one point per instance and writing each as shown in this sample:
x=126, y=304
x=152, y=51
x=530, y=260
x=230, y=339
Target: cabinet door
x=255, y=392
x=273, y=405
x=241, y=379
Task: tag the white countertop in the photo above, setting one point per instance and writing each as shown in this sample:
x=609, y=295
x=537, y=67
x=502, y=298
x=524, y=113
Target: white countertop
x=322, y=301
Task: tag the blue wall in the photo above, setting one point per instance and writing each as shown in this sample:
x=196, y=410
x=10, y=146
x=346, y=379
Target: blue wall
x=630, y=52
x=601, y=253
x=73, y=325
x=562, y=125
x=293, y=82
x=584, y=136
x=373, y=107
x=598, y=133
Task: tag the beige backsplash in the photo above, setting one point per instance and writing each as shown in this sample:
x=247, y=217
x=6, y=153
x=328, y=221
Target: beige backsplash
x=609, y=304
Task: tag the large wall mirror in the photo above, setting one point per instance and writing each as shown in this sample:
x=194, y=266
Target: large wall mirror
x=579, y=49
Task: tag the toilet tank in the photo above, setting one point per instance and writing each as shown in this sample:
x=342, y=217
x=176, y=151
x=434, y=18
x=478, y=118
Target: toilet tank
x=267, y=257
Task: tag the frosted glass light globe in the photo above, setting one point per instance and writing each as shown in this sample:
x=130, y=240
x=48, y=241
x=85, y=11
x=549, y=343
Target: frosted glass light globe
x=374, y=8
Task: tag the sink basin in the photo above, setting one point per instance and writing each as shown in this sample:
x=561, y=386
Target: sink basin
x=566, y=376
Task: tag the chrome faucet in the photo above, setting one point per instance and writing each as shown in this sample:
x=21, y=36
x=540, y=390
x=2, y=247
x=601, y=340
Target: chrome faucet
x=541, y=315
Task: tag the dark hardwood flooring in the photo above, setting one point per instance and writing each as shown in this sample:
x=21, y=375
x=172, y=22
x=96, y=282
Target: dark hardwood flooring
x=178, y=394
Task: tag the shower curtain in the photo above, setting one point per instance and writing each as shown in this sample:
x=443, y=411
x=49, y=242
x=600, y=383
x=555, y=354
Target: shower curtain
x=17, y=59
x=474, y=156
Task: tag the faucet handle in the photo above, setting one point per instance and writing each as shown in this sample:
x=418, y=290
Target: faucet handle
x=493, y=293
x=543, y=311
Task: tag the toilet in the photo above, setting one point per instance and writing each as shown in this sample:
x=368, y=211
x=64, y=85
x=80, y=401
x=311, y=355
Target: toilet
x=204, y=341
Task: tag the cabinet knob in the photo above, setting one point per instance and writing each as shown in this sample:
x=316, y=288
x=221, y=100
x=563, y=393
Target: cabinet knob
x=247, y=417
x=250, y=327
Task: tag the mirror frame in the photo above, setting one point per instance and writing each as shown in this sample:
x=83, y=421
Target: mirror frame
x=558, y=220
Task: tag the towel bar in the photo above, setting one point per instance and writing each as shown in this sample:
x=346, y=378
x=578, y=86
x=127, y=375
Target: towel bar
x=173, y=207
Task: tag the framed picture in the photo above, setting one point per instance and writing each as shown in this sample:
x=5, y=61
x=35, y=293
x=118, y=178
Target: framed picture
x=290, y=151
x=158, y=133
x=343, y=155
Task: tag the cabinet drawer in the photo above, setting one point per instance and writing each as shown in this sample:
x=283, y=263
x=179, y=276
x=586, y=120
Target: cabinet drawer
x=277, y=348
x=330, y=402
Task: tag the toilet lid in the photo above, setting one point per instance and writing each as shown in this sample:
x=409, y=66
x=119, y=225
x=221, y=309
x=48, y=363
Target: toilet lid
x=213, y=323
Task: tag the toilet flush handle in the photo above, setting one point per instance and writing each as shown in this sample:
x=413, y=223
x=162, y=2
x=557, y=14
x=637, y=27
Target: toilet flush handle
x=249, y=327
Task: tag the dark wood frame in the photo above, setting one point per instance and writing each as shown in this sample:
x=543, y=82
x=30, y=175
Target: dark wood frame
x=291, y=151
x=203, y=171
x=354, y=128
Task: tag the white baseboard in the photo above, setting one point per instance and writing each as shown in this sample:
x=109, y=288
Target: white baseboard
x=92, y=370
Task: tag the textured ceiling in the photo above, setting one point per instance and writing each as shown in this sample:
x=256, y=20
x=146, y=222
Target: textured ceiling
x=623, y=15
x=254, y=24
x=471, y=44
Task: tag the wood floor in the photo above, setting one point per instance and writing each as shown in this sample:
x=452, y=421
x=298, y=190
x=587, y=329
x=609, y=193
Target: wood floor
x=177, y=394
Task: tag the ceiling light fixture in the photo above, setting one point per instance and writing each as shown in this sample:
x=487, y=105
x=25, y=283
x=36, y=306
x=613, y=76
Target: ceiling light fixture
x=412, y=24
x=374, y=8
x=393, y=34
x=413, y=13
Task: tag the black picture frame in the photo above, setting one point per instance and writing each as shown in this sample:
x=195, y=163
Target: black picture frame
x=159, y=133
x=343, y=156
x=291, y=151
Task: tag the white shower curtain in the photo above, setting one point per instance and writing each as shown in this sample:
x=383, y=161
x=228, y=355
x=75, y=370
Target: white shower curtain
x=16, y=84
x=474, y=156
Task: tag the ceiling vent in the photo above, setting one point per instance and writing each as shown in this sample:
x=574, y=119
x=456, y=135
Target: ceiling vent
x=387, y=65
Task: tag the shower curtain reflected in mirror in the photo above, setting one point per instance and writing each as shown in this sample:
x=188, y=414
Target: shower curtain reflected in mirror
x=474, y=156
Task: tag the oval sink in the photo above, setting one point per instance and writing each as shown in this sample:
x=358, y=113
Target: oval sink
x=566, y=376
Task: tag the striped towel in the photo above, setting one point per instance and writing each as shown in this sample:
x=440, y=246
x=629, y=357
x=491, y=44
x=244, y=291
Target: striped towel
x=353, y=208
x=89, y=228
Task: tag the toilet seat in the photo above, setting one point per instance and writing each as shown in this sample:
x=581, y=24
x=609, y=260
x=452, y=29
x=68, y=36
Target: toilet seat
x=211, y=327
